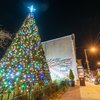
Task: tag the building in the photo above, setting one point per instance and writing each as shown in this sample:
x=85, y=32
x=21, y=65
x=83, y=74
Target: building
x=61, y=56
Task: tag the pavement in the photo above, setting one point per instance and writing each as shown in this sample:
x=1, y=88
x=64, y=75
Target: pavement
x=88, y=92
x=72, y=93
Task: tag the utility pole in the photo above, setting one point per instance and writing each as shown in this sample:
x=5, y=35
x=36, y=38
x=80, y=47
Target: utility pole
x=87, y=62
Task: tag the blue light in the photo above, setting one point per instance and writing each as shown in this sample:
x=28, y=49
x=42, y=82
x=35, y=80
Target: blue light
x=28, y=75
x=18, y=73
x=32, y=9
x=46, y=81
x=34, y=79
x=12, y=75
x=20, y=65
x=2, y=66
x=4, y=63
x=27, y=51
x=31, y=64
x=42, y=76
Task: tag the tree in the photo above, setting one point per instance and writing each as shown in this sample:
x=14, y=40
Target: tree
x=71, y=75
x=3, y=36
x=24, y=65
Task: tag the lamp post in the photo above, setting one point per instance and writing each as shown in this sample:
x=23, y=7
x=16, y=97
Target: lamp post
x=87, y=62
x=86, y=57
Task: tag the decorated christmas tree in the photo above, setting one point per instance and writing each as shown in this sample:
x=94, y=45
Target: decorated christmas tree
x=24, y=65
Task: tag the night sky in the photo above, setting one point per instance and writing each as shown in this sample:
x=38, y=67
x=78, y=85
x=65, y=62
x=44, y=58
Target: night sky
x=56, y=18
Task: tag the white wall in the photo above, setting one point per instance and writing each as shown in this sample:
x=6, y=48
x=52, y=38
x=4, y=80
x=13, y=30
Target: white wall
x=58, y=50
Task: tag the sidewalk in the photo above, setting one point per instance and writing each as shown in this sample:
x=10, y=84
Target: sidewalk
x=73, y=93
x=88, y=92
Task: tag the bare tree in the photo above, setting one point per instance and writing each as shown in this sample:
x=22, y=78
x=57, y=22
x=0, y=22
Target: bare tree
x=4, y=35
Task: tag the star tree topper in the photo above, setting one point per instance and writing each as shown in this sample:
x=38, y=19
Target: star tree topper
x=32, y=9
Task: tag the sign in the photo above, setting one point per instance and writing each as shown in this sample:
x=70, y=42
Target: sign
x=80, y=72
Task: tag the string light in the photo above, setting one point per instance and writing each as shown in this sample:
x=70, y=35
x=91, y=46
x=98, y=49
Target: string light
x=24, y=63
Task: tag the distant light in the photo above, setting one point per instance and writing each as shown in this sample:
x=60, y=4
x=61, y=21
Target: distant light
x=32, y=9
x=98, y=63
x=93, y=49
x=93, y=79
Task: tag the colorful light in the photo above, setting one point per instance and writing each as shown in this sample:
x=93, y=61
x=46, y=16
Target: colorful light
x=24, y=63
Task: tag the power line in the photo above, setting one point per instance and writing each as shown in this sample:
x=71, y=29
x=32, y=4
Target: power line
x=97, y=39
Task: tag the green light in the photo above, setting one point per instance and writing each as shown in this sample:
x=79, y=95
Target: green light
x=27, y=71
x=28, y=65
x=37, y=84
x=10, y=88
x=23, y=53
x=23, y=86
x=1, y=71
x=12, y=63
x=5, y=83
x=17, y=56
x=24, y=60
x=17, y=79
x=20, y=46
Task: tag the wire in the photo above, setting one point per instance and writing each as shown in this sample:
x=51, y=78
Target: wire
x=97, y=39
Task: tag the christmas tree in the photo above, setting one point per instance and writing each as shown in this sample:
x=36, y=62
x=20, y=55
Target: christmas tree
x=24, y=65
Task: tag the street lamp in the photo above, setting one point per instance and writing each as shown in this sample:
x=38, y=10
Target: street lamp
x=86, y=57
x=98, y=63
x=93, y=49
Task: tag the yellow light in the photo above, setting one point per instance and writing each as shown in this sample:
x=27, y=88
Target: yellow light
x=21, y=81
x=21, y=91
x=98, y=63
x=93, y=49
